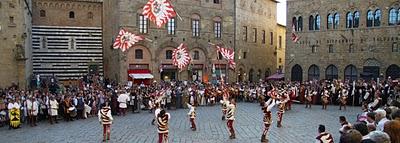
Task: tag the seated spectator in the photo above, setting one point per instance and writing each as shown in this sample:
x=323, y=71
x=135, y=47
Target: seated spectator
x=392, y=128
x=371, y=121
x=380, y=117
x=379, y=137
x=345, y=125
x=351, y=136
x=323, y=137
x=363, y=129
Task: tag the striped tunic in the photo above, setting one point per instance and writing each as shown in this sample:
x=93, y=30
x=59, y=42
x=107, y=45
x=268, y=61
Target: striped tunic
x=162, y=123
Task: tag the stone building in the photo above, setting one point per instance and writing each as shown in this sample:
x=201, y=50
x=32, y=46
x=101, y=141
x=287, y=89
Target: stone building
x=280, y=50
x=247, y=26
x=67, y=38
x=343, y=39
x=15, y=51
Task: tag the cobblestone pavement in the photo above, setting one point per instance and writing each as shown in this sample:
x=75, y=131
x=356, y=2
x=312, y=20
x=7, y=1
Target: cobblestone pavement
x=299, y=126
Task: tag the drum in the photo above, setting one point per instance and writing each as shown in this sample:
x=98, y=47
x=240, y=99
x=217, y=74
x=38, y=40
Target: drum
x=72, y=111
x=15, y=119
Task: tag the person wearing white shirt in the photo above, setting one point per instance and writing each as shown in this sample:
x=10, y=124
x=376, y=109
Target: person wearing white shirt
x=33, y=109
x=53, y=110
x=380, y=118
x=123, y=99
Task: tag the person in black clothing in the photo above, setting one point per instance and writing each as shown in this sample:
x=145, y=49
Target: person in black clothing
x=80, y=106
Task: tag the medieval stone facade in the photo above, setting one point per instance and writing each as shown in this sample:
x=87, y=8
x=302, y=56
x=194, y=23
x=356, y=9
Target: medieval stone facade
x=343, y=39
x=15, y=33
x=280, y=50
x=246, y=26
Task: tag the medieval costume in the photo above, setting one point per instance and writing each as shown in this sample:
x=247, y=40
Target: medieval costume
x=14, y=114
x=33, y=110
x=192, y=116
x=324, y=137
x=230, y=116
x=267, y=106
x=325, y=99
x=308, y=95
x=106, y=119
x=53, y=110
x=224, y=104
x=162, y=122
x=283, y=99
x=343, y=99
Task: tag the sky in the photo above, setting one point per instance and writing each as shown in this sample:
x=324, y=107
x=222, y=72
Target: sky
x=281, y=12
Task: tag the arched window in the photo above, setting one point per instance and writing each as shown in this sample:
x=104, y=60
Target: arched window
x=251, y=75
x=377, y=18
x=313, y=72
x=370, y=18
x=297, y=73
x=393, y=16
x=317, y=22
x=356, y=19
x=351, y=48
x=349, y=20
x=42, y=13
x=171, y=26
x=350, y=73
x=331, y=72
x=195, y=25
x=259, y=74
x=329, y=24
x=311, y=23
x=294, y=23
x=168, y=54
x=217, y=27
x=393, y=71
x=90, y=15
x=143, y=24
x=71, y=14
x=336, y=19
x=138, y=54
x=196, y=55
x=300, y=24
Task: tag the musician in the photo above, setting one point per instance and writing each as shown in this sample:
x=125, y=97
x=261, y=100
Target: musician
x=283, y=99
x=267, y=106
x=33, y=109
x=67, y=105
x=53, y=109
x=343, y=98
x=308, y=95
x=325, y=98
x=230, y=116
x=192, y=116
x=105, y=118
x=13, y=113
x=162, y=122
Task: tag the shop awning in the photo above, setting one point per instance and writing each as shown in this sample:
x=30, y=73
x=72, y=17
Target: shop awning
x=141, y=76
x=276, y=76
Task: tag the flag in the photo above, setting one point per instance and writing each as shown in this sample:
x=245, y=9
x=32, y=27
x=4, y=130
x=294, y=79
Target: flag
x=159, y=11
x=294, y=36
x=180, y=57
x=229, y=55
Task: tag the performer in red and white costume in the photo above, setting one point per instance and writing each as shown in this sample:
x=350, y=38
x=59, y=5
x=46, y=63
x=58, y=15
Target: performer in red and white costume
x=230, y=116
x=325, y=99
x=267, y=106
x=283, y=99
x=192, y=116
x=162, y=122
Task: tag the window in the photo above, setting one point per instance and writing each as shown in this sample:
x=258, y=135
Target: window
x=393, y=16
x=217, y=29
x=42, y=13
x=171, y=26
x=244, y=30
x=370, y=18
x=280, y=60
x=350, y=73
x=168, y=54
x=280, y=42
x=330, y=21
x=300, y=24
x=254, y=35
x=349, y=20
x=395, y=47
x=143, y=24
x=377, y=18
x=294, y=23
x=313, y=49
x=195, y=25
x=220, y=57
x=331, y=72
x=313, y=72
x=216, y=1
x=330, y=49
x=90, y=15
x=138, y=54
x=272, y=38
x=311, y=23
x=317, y=22
x=244, y=55
x=11, y=20
x=356, y=19
x=196, y=55
x=71, y=14
x=336, y=19
x=263, y=37
x=351, y=48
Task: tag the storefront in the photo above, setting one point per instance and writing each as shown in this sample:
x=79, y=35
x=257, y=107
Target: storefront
x=169, y=72
x=140, y=73
x=196, y=72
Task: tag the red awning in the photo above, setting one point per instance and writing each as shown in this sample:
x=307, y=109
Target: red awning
x=138, y=71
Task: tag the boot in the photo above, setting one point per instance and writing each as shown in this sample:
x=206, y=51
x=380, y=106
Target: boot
x=279, y=125
x=223, y=118
x=232, y=136
x=263, y=139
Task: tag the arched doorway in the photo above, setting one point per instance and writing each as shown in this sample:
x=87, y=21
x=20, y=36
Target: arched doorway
x=297, y=73
x=251, y=75
x=313, y=72
x=267, y=73
x=393, y=71
x=370, y=69
x=195, y=69
x=350, y=73
x=258, y=75
x=168, y=70
x=240, y=75
x=331, y=72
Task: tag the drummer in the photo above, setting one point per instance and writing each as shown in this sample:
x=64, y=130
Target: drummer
x=12, y=105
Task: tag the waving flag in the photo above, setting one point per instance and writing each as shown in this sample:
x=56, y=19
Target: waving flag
x=229, y=55
x=294, y=36
x=125, y=40
x=181, y=57
x=159, y=11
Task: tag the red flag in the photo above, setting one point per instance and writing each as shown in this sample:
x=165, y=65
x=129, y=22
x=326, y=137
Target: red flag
x=294, y=36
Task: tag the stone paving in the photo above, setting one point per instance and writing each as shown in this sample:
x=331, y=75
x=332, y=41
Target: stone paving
x=299, y=126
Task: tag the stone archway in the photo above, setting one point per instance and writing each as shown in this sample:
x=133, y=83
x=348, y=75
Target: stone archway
x=297, y=73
